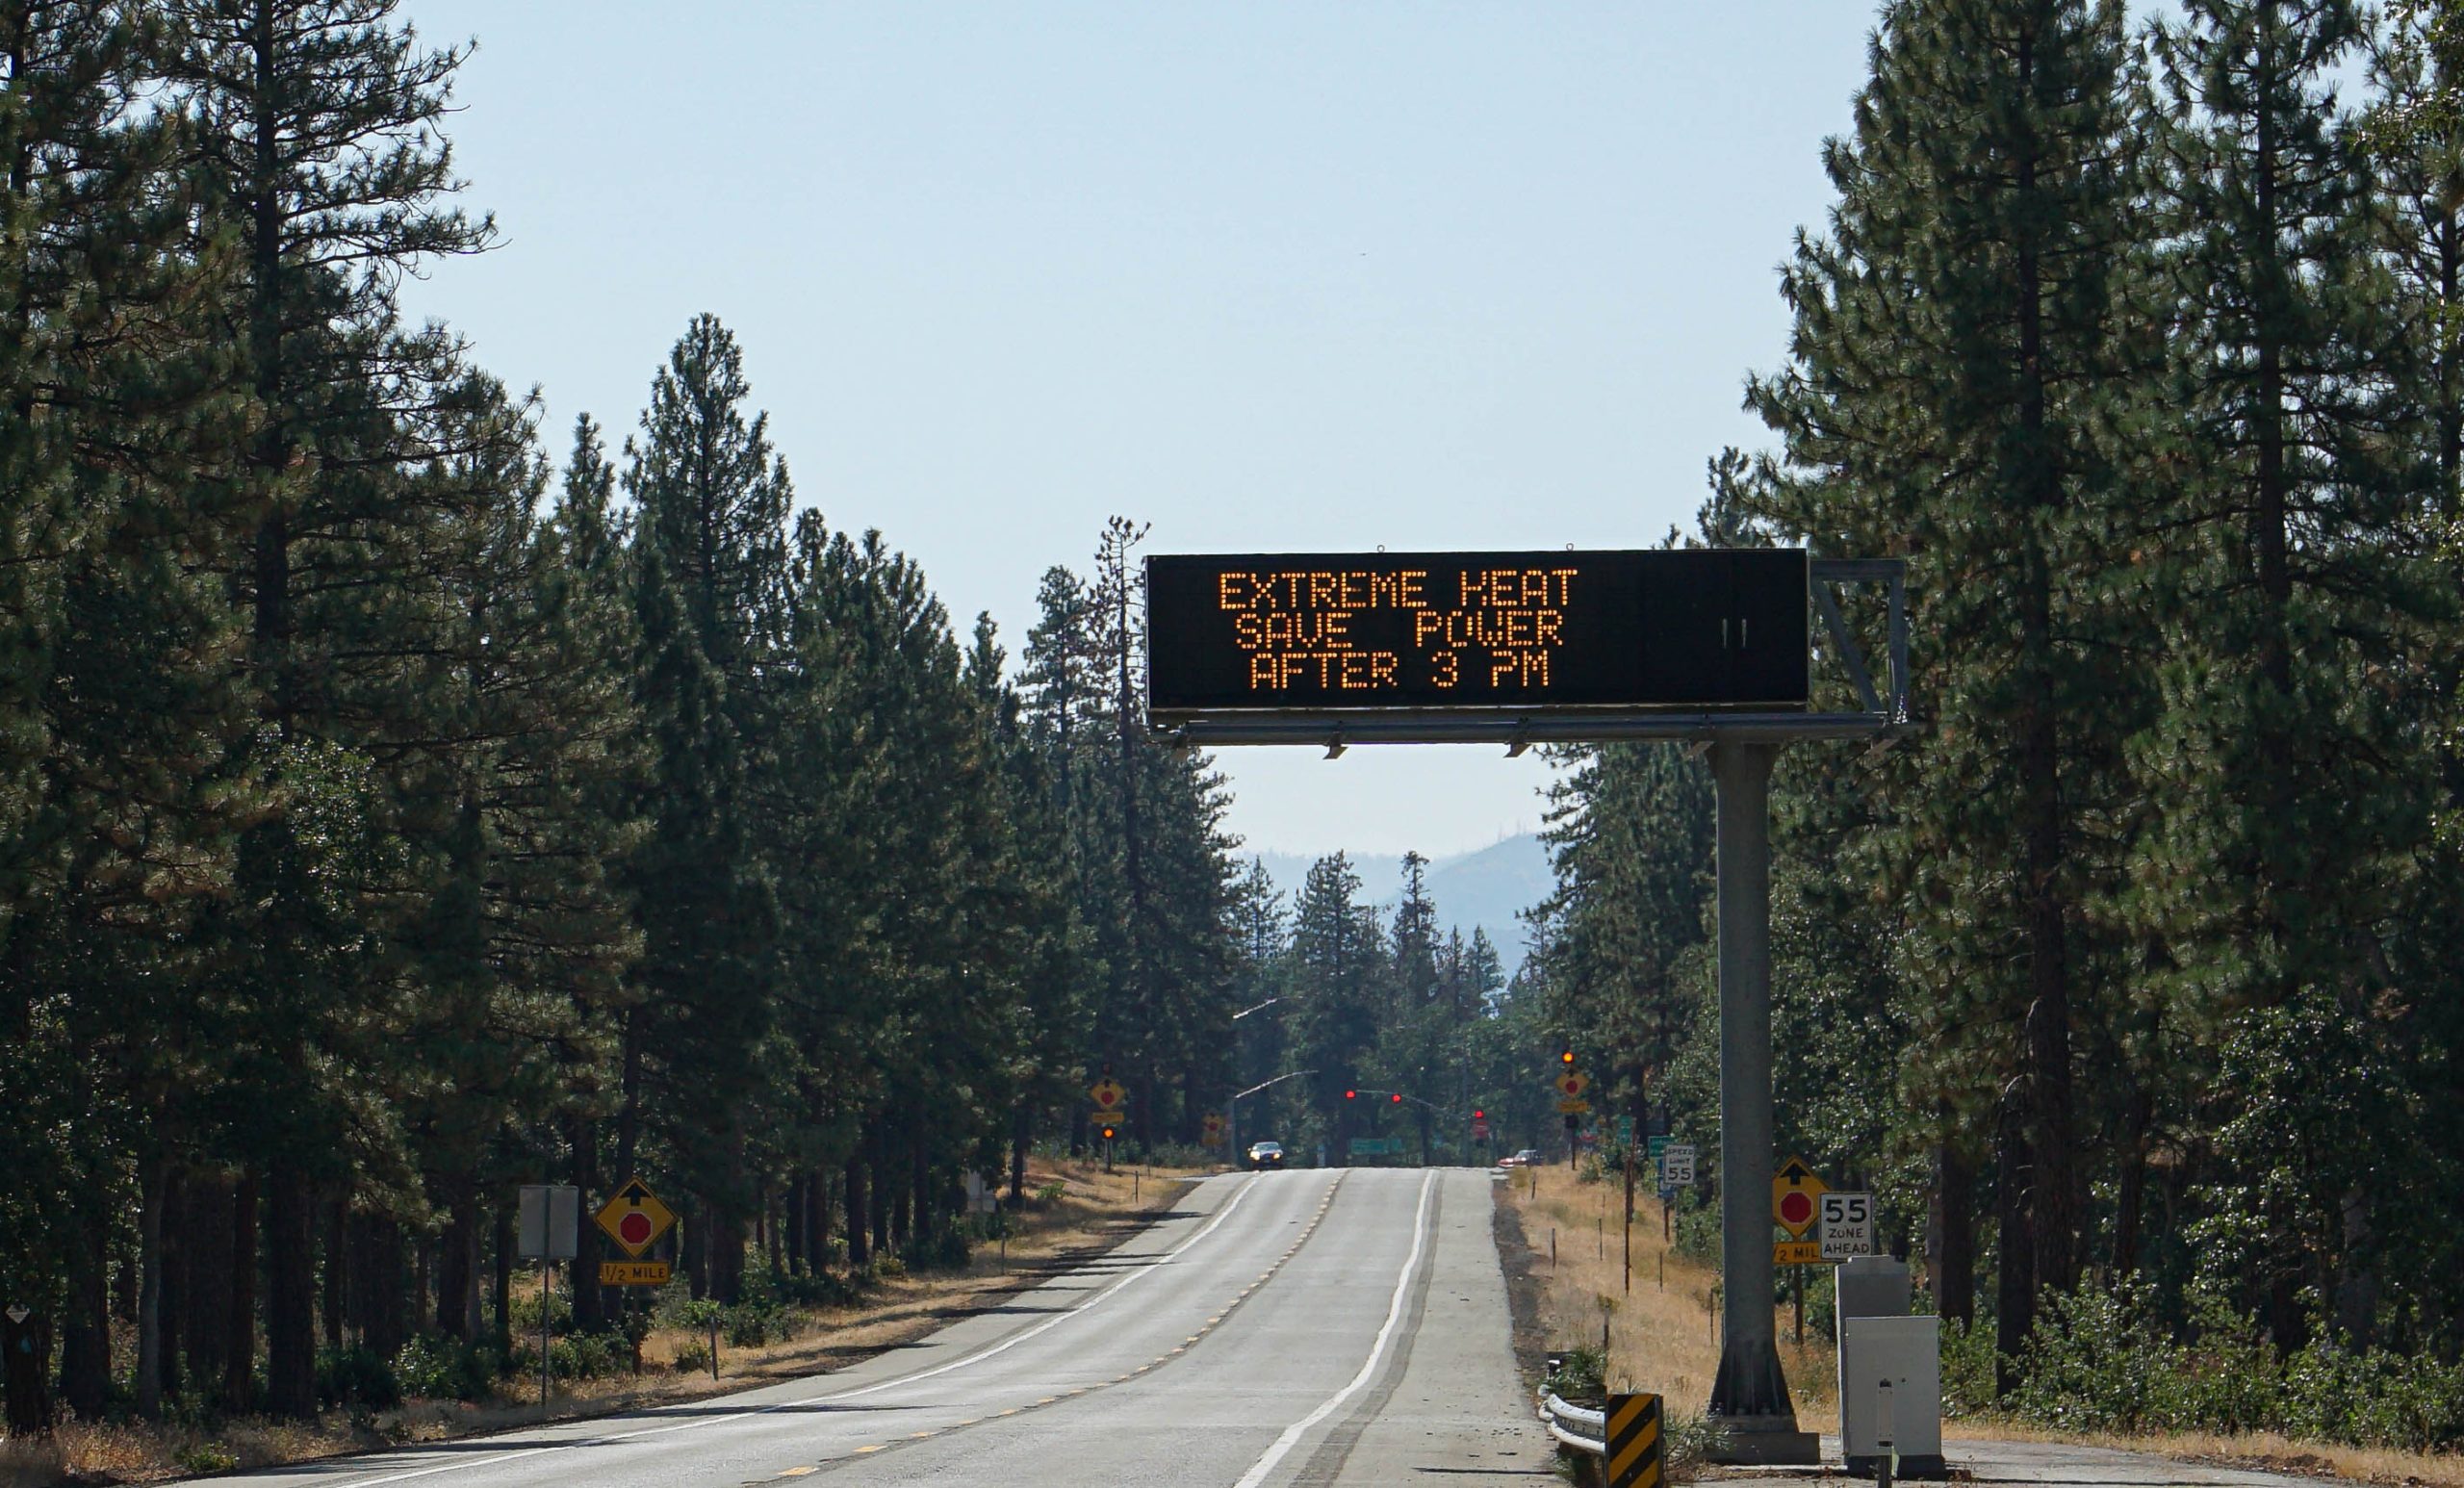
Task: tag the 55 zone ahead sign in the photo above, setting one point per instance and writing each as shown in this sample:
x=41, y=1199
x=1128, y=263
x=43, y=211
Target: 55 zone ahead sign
x=1532, y=632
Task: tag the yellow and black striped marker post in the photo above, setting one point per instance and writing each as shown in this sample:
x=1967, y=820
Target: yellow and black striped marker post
x=1633, y=1442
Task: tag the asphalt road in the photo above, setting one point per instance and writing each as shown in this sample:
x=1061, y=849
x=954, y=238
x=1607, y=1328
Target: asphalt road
x=1295, y=1327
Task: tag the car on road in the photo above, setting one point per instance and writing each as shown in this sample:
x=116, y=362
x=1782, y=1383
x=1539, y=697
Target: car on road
x=1266, y=1154
x=1526, y=1158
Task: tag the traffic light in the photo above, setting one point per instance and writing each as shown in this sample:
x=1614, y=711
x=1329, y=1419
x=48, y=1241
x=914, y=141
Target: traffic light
x=1567, y=1059
x=1479, y=1115
x=1393, y=1100
x=1108, y=1134
x=1352, y=1095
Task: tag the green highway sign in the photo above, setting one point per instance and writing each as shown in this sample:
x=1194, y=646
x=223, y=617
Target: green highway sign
x=1377, y=1146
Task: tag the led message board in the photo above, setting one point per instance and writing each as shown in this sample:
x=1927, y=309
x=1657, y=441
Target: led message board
x=1718, y=629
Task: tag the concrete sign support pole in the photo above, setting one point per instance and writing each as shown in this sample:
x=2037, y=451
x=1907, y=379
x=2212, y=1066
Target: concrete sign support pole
x=1750, y=1398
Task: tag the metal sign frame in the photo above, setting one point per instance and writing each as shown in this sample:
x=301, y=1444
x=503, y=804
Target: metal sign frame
x=1883, y=714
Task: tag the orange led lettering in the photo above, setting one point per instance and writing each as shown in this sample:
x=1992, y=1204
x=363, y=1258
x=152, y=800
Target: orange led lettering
x=1409, y=586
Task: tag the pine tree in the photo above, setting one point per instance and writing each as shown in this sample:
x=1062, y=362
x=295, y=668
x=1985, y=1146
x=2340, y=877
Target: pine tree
x=2292, y=573
x=1960, y=391
x=710, y=503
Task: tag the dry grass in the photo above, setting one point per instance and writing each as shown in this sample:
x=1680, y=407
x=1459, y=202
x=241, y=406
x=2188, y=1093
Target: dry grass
x=2257, y=1449
x=1095, y=1211
x=1662, y=1334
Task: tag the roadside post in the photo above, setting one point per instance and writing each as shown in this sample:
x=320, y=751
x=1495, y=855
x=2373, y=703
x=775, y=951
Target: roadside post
x=550, y=1231
x=1636, y=1455
x=1709, y=647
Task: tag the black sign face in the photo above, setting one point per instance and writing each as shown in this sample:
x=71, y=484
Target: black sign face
x=1720, y=628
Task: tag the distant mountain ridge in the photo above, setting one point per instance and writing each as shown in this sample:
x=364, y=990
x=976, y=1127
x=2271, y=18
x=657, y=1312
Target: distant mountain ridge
x=1490, y=888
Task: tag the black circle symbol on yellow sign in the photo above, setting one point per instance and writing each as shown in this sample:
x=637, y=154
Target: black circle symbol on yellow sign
x=634, y=1218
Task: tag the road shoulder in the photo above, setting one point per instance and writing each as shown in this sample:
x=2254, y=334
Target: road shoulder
x=1460, y=1406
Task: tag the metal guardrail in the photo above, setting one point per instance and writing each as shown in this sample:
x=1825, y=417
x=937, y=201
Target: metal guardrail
x=1575, y=1428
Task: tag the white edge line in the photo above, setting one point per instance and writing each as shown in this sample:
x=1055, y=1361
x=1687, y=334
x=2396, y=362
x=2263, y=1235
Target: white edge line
x=1292, y=1433
x=1012, y=1341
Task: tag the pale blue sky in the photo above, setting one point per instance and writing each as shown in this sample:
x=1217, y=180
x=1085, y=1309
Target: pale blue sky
x=1272, y=276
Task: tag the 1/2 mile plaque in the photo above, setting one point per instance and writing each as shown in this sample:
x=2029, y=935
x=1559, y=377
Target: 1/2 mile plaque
x=1535, y=632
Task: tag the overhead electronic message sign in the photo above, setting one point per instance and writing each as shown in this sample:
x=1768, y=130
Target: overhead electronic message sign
x=1528, y=632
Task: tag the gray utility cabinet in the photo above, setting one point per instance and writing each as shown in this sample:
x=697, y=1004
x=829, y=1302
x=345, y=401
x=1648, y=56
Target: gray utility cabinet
x=1887, y=1353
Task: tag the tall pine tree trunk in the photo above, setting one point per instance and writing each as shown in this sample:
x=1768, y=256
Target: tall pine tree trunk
x=501, y=1291
x=337, y=1277
x=206, y=1308
x=86, y=1342
x=590, y=1298
x=859, y=1217
x=1950, y=1239
x=291, y=1291
x=153, y=1188
x=2014, y=1290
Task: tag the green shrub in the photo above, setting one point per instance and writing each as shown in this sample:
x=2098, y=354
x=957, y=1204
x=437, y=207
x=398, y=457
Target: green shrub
x=206, y=1457
x=1692, y=1440
x=436, y=1368
x=1967, y=1367
x=2094, y=1362
x=577, y=1356
x=945, y=1251
x=2097, y=1360
x=1050, y=1194
x=1582, y=1377
x=525, y=1315
x=1697, y=1229
x=356, y=1376
x=692, y=1357
x=750, y=1326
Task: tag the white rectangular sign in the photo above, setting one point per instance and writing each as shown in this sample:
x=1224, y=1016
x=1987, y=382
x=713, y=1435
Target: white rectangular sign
x=550, y=1220
x=1847, y=1225
x=1677, y=1165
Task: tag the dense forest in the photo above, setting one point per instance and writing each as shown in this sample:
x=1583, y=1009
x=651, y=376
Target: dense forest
x=2129, y=981
x=392, y=814
x=395, y=811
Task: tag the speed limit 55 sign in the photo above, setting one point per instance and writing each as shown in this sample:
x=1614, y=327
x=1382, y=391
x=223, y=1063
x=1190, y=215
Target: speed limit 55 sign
x=1847, y=1225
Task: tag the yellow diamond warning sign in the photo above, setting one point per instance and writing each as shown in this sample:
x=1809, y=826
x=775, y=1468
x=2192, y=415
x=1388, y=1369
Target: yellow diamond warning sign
x=1796, y=1198
x=634, y=1218
x=1571, y=1085
x=1108, y=1094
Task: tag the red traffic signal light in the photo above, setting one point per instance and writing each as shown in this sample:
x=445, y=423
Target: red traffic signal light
x=1352, y=1095
x=1479, y=1115
x=1393, y=1100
